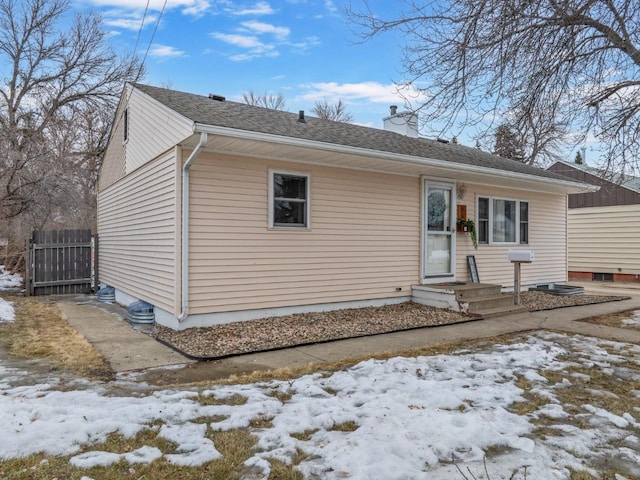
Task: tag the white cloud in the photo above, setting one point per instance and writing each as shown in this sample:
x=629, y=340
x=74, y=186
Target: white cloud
x=267, y=28
x=128, y=20
x=255, y=48
x=189, y=7
x=330, y=6
x=370, y=92
x=254, y=36
x=196, y=7
x=243, y=57
x=260, y=8
x=243, y=41
x=165, y=51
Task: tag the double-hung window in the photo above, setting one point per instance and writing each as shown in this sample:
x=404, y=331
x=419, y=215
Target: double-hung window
x=289, y=205
x=503, y=221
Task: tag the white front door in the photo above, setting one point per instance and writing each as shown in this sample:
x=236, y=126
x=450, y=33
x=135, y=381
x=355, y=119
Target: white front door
x=439, y=225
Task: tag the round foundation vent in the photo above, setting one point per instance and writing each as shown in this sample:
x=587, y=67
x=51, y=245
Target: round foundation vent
x=106, y=294
x=140, y=312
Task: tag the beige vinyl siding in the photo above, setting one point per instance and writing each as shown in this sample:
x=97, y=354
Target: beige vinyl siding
x=137, y=226
x=113, y=164
x=153, y=129
x=363, y=242
x=547, y=237
x=605, y=239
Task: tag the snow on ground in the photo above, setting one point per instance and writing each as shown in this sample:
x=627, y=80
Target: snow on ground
x=413, y=416
x=9, y=280
x=634, y=321
x=7, y=314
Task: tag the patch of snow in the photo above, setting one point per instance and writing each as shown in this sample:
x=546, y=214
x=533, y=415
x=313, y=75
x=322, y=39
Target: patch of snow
x=7, y=313
x=416, y=417
x=194, y=448
x=633, y=322
x=8, y=280
x=602, y=413
x=95, y=459
x=104, y=459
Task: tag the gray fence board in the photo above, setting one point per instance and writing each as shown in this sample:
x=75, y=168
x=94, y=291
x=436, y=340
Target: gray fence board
x=60, y=261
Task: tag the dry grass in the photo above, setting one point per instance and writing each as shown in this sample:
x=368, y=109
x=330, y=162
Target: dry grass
x=348, y=426
x=532, y=401
x=236, y=446
x=306, y=435
x=40, y=331
x=233, y=400
x=612, y=319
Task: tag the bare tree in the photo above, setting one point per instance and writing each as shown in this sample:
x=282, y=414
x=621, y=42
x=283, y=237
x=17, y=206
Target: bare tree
x=336, y=112
x=570, y=66
x=60, y=75
x=274, y=102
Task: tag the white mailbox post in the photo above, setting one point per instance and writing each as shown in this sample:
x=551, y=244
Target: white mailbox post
x=518, y=257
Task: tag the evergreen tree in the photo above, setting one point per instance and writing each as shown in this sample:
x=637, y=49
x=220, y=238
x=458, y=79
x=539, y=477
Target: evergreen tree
x=507, y=144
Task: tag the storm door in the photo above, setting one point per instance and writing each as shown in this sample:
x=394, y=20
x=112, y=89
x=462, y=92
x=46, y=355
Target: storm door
x=439, y=230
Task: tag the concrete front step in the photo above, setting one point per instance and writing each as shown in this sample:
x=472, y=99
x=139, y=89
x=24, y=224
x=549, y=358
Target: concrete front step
x=497, y=312
x=472, y=298
x=478, y=304
x=474, y=291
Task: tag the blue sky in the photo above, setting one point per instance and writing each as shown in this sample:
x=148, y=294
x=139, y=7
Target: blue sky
x=303, y=49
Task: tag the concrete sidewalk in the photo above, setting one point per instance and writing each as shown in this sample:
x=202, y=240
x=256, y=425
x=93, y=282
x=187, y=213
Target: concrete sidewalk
x=129, y=350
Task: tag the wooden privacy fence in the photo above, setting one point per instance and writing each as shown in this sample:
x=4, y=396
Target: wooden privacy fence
x=61, y=261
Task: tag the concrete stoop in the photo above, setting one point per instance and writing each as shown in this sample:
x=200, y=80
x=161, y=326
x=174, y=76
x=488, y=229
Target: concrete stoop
x=477, y=299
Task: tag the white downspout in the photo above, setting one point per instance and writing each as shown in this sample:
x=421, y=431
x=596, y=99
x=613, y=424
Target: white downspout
x=185, y=226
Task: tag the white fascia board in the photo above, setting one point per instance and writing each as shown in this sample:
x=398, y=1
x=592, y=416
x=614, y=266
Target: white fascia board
x=572, y=187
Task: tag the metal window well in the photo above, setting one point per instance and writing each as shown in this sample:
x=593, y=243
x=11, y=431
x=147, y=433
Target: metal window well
x=106, y=294
x=140, y=312
x=556, y=289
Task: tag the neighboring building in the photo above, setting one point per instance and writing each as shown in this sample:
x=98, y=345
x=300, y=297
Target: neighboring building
x=216, y=211
x=603, y=225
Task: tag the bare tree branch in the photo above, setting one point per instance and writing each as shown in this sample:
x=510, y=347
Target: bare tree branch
x=336, y=112
x=577, y=61
x=60, y=85
x=274, y=102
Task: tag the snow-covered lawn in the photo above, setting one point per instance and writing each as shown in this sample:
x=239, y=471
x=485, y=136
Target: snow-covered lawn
x=9, y=280
x=7, y=313
x=517, y=404
x=633, y=321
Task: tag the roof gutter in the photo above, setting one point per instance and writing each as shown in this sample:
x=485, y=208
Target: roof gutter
x=421, y=161
x=185, y=226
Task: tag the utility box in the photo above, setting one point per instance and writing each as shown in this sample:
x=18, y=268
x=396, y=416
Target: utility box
x=525, y=256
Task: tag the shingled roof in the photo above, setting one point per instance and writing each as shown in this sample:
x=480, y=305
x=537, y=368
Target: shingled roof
x=626, y=181
x=222, y=113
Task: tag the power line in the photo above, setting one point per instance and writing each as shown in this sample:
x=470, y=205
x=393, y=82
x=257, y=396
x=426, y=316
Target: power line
x=144, y=17
x=116, y=124
x=153, y=35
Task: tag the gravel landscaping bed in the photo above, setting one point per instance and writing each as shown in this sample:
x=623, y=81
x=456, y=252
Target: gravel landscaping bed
x=300, y=329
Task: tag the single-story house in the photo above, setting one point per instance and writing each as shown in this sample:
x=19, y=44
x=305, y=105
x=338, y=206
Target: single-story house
x=604, y=225
x=216, y=211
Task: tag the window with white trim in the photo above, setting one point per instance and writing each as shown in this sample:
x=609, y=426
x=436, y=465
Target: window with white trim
x=503, y=221
x=289, y=205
